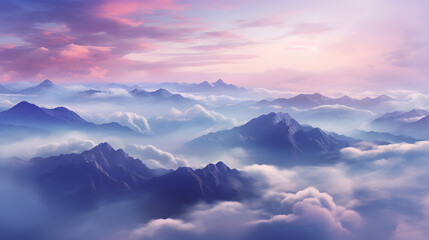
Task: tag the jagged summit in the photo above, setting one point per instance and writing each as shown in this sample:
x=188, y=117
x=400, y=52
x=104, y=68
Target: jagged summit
x=275, y=133
x=220, y=83
x=103, y=172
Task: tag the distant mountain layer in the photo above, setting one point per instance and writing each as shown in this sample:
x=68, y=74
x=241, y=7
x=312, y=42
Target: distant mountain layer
x=393, y=120
x=105, y=173
x=47, y=86
x=5, y=90
x=382, y=136
x=204, y=87
x=316, y=99
x=60, y=118
x=417, y=129
x=160, y=95
x=275, y=133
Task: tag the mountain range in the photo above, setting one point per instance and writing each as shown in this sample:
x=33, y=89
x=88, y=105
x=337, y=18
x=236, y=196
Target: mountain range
x=274, y=134
x=218, y=87
x=393, y=120
x=160, y=95
x=317, y=99
x=28, y=115
x=40, y=88
x=102, y=173
x=382, y=136
x=418, y=129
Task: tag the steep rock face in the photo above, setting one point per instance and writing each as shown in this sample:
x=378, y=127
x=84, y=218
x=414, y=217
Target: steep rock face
x=186, y=186
x=276, y=133
x=91, y=175
x=214, y=182
x=104, y=173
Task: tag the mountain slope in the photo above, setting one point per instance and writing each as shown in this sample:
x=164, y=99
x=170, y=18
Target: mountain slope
x=274, y=133
x=104, y=173
x=418, y=129
x=60, y=118
x=393, y=120
x=41, y=88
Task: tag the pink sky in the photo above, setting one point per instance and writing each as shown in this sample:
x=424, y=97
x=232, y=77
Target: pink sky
x=304, y=45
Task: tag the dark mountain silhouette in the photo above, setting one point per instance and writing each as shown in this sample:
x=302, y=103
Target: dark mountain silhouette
x=317, y=99
x=274, y=133
x=104, y=173
x=60, y=118
x=186, y=186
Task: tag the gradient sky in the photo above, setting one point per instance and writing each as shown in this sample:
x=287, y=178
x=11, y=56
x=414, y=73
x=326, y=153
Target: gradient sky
x=301, y=45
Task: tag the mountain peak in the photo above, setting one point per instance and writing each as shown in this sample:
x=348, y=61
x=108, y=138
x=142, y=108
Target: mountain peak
x=104, y=146
x=345, y=97
x=162, y=93
x=269, y=122
x=222, y=165
x=220, y=82
x=279, y=116
x=205, y=84
x=384, y=97
x=24, y=106
x=47, y=83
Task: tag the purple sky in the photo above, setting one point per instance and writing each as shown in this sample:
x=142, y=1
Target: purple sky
x=302, y=45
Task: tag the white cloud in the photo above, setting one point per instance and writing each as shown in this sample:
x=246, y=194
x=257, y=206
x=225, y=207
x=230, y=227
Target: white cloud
x=248, y=220
x=154, y=157
x=159, y=225
x=195, y=117
x=132, y=120
x=5, y=104
x=377, y=152
x=71, y=145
